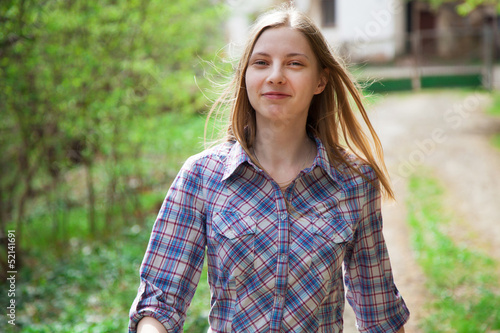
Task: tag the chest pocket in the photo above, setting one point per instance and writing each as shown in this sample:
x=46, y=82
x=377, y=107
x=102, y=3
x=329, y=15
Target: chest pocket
x=234, y=237
x=330, y=239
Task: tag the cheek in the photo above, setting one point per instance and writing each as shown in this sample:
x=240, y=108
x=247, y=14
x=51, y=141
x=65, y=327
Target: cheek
x=249, y=79
x=251, y=84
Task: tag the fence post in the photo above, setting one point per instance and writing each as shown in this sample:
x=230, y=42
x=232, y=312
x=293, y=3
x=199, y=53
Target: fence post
x=416, y=73
x=415, y=43
x=487, y=71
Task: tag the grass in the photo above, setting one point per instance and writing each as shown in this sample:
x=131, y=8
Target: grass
x=495, y=140
x=463, y=281
x=91, y=287
x=495, y=106
x=87, y=290
x=495, y=111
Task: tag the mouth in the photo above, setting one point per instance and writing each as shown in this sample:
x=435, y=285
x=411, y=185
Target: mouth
x=275, y=95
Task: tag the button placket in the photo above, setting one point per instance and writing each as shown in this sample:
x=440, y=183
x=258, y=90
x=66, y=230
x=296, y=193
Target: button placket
x=281, y=277
x=282, y=258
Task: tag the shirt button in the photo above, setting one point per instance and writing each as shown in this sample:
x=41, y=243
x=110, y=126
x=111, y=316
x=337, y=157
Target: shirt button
x=282, y=258
x=283, y=217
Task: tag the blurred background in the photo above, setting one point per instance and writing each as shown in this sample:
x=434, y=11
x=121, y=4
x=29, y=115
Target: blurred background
x=102, y=101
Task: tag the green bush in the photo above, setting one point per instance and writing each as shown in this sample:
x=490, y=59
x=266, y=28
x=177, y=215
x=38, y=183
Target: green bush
x=100, y=106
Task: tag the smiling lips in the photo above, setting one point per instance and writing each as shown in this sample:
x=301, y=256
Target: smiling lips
x=275, y=95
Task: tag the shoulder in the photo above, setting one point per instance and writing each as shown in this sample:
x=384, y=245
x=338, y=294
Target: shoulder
x=360, y=184
x=356, y=174
x=356, y=167
x=210, y=160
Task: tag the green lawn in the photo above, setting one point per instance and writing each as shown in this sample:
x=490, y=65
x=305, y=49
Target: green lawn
x=495, y=110
x=463, y=280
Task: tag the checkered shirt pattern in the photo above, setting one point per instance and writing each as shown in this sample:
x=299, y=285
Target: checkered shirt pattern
x=270, y=269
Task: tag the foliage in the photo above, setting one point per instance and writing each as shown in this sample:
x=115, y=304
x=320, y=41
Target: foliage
x=71, y=283
x=91, y=288
x=466, y=6
x=463, y=280
x=76, y=77
x=99, y=106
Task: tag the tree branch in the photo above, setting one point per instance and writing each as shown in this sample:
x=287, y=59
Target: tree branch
x=13, y=39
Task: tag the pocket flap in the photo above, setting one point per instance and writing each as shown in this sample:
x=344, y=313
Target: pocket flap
x=335, y=229
x=233, y=225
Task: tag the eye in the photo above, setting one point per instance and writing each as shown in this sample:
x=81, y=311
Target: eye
x=295, y=63
x=260, y=63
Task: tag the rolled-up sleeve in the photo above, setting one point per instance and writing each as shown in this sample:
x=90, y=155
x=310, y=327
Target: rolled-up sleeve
x=370, y=288
x=172, y=265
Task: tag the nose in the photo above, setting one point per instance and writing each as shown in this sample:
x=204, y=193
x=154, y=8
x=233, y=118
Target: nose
x=276, y=75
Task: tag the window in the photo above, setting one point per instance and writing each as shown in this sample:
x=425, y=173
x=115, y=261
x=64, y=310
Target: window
x=328, y=12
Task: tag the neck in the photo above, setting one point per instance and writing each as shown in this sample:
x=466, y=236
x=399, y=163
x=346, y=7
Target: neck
x=283, y=151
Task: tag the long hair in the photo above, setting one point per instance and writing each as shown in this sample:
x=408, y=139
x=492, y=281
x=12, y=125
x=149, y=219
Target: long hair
x=331, y=115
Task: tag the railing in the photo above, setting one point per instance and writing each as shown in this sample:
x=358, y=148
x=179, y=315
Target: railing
x=453, y=52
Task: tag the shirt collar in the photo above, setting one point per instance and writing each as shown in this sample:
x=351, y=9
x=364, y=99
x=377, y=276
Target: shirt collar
x=238, y=156
x=234, y=159
x=323, y=162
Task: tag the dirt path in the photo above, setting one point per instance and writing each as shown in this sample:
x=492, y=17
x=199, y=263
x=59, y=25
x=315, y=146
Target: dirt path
x=447, y=133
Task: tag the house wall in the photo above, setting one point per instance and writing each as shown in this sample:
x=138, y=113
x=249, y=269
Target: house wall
x=241, y=17
x=365, y=29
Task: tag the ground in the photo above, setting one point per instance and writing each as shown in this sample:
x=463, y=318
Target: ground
x=446, y=133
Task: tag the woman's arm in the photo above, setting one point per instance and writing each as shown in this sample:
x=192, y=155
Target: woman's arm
x=173, y=261
x=370, y=287
x=150, y=325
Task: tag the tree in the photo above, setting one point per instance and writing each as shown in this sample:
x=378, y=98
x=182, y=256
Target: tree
x=75, y=76
x=466, y=6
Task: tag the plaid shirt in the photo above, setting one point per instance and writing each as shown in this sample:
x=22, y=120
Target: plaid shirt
x=270, y=269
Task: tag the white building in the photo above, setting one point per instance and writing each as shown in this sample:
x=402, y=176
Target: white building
x=362, y=29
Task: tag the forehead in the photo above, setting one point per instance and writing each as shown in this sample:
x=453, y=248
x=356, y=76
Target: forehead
x=282, y=40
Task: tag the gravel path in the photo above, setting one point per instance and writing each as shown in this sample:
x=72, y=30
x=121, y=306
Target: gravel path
x=447, y=133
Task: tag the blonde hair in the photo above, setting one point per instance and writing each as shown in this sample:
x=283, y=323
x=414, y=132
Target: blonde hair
x=331, y=116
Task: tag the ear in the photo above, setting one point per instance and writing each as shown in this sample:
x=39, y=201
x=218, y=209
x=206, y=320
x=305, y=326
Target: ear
x=323, y=81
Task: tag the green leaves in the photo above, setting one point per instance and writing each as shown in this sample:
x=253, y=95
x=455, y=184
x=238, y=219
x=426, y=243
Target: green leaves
x=467, y=6
x=99, y=106
x=76, y=75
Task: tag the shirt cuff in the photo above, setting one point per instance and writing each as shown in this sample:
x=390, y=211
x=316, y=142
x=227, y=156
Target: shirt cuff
x=164, y=317
x=393, y=324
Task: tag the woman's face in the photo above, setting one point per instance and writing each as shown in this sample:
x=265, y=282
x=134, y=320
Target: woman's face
x=282, y=77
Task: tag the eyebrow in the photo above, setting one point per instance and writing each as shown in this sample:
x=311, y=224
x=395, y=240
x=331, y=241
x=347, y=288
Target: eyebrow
x=289, y=55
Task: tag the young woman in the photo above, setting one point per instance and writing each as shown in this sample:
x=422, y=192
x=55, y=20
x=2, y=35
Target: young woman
x=287, y=210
